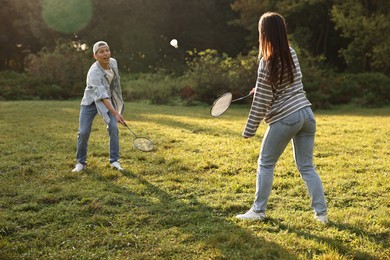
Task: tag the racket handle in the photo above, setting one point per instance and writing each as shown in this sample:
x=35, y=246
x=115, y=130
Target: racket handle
x=241, y=98
x=130, y=129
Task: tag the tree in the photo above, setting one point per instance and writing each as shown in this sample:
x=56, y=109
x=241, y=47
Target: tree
x=138, y=31
x=249, y=14
x=308, y=22
x=367, y=25
x=23, y=31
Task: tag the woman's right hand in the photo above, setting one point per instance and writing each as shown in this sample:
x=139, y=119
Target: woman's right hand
x=252, y=91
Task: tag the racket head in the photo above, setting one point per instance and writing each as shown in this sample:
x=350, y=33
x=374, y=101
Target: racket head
x=143, y=144
x=221, y=104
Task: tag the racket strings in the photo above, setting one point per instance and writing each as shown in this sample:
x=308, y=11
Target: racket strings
x=143, y=144
x=221, y=104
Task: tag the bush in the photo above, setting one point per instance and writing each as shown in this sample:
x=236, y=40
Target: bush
x=16, y=86
x=315, y=78
x=366, y=89
x=60, y=74
x=158, y=88
x=316, y=84
x=62, y=69
x=210, y=74
x=375, y=89
x=50, y=74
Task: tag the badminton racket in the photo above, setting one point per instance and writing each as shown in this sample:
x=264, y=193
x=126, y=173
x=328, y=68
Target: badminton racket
x=141, y=143
x=222, y=103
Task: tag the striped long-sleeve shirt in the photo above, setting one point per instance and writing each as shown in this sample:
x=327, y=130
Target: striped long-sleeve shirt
x=274, y=105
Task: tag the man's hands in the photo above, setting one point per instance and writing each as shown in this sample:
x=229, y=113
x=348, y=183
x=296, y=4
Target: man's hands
x=118, y=116
x=120, y=119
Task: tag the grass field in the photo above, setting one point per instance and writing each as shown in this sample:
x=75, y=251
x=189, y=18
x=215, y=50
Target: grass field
x=180, y=201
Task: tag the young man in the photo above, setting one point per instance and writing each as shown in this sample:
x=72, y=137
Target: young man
x=103, y=96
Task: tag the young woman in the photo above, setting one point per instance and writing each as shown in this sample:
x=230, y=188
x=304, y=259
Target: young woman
x=279, y=99
x=102, y=95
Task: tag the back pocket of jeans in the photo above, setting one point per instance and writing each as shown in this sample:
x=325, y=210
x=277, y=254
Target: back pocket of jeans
x=291, y=120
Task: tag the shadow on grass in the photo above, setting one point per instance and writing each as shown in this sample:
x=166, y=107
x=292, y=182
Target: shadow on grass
x=208, y=127
x=200, y=226
x=332, y=243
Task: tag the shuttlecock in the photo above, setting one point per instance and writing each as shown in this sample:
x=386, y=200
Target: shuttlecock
x=174, y=43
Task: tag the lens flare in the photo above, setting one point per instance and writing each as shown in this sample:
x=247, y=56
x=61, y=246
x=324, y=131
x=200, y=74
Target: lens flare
x=68, y=16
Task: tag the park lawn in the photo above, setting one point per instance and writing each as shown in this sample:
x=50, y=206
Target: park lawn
x=180, y=200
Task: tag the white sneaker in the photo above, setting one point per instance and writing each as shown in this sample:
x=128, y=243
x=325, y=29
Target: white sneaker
x=321, y=219
x=79, y=167
x=251, y=215
x=116, y=166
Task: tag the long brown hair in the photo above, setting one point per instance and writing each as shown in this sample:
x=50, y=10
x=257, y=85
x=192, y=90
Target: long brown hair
x=274, y=48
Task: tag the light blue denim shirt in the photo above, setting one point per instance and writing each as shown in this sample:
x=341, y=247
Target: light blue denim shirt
x=98, y=88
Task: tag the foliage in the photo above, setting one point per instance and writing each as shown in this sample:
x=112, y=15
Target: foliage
x=144, y=29
x=138, y=31
x=22, y=32
x=307, y=21
x=211, y=74
x=65, y=67
x=315, y=77
x=157, y=88
x=366, y=24
x=180, y=201
x=249, y=13
x=367, y=89
x=352, y=35
x=355, y=29
x=12, y=85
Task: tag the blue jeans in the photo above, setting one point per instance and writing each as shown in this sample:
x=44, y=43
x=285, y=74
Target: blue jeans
x=87, y=114
x=300, y=127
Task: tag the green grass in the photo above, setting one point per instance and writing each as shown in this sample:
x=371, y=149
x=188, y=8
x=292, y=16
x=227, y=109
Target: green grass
x=180, y=200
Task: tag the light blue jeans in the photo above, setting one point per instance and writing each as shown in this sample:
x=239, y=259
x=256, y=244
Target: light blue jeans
x=87, y=114
x=300, y=127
